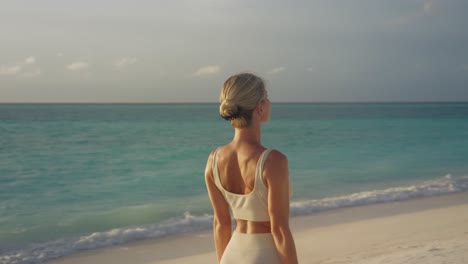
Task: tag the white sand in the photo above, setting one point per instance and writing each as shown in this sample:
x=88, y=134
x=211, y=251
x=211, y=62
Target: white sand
x=429, y=230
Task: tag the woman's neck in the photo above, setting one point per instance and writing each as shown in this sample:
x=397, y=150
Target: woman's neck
x=249, y=135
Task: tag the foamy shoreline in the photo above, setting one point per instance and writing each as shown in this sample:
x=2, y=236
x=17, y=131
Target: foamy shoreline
x=188, y=223
x=423, y=230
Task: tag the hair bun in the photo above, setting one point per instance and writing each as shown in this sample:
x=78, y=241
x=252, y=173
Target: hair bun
x=240, y=95
x=229, y=102
x=228, y=109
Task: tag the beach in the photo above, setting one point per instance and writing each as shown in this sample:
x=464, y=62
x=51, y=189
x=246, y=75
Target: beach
x=423, y=230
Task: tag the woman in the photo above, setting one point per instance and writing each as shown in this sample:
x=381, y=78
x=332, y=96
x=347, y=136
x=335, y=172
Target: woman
x=250, y=180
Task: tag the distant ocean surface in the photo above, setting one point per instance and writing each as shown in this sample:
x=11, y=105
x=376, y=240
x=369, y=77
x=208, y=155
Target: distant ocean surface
x=83, y=176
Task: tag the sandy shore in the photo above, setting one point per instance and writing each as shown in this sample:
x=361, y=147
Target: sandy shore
x=427, y=230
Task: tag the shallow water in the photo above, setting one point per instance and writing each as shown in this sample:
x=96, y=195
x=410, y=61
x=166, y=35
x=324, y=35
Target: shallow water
x=91, y=175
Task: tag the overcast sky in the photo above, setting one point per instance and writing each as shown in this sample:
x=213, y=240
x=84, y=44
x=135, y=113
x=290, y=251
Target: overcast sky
x=182, y=51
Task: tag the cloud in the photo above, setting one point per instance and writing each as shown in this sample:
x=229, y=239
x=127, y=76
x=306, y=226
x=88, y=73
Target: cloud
x=10, y=70
x=30, y=60
x=19, y=68
x=207, y=70
x=59, y=54
x=277, y=70
x=78, y=66
x=20, y=71
x=309, y=69
x=125, y=62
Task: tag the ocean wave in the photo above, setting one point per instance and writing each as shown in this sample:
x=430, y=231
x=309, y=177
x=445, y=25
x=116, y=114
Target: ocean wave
x=39, y=253
x=444, y=185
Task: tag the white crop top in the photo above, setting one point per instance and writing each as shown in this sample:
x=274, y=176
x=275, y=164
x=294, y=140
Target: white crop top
x=252, y=206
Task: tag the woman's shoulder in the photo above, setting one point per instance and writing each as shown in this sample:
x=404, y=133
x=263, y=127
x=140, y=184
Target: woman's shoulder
x=275, y=168
x=276, y=156
x=209, y=162
x=213, y=153
x=275, y=162
x=215, y=150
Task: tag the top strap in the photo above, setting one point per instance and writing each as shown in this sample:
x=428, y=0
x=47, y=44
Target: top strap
x=260, y=163
x=214, y=169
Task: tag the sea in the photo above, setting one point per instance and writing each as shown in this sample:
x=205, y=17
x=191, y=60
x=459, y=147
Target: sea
x=83, y=176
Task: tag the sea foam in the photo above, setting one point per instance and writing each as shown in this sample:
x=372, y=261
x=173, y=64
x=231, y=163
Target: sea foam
x=444, y=185
x=38, y=253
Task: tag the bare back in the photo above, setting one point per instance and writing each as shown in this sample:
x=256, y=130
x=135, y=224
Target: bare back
x=237, y=169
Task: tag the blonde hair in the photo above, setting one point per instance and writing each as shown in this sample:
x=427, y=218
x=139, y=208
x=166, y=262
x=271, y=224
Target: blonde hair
x=239, y=96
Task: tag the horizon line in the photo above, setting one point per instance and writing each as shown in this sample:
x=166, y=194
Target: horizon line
x=279, y=102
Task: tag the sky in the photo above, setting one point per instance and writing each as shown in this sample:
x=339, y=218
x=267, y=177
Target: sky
x=182, y=50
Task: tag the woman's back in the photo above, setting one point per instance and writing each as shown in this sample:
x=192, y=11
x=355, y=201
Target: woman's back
x=237, y=167
x=248, y=195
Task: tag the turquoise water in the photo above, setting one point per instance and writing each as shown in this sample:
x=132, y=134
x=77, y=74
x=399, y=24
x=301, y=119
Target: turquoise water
x=91, y=175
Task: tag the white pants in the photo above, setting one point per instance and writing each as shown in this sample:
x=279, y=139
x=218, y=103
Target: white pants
x=250, y=249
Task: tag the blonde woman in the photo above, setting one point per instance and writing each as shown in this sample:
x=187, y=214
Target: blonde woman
x=251, y=181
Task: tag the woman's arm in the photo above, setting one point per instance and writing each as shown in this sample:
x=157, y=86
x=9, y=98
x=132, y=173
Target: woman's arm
x=222, y=217
x=277, y=181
